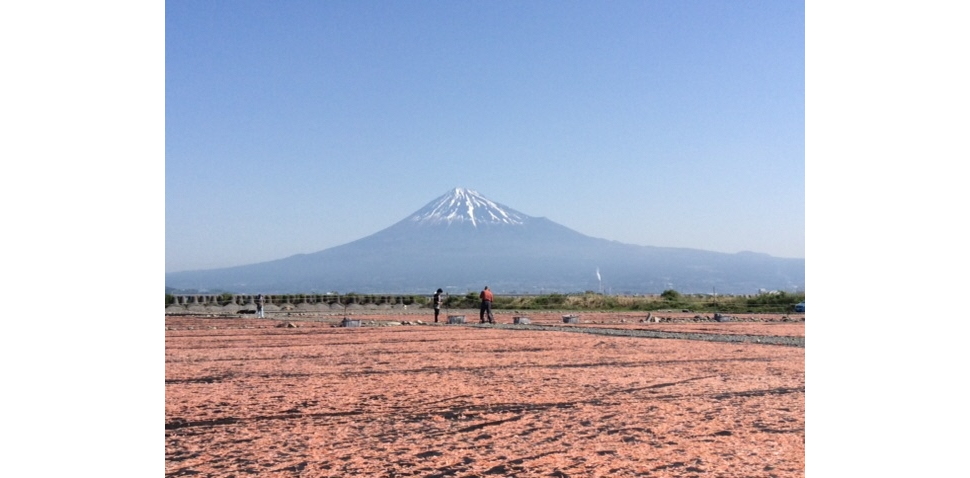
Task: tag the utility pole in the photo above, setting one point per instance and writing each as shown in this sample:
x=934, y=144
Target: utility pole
x=715, y=300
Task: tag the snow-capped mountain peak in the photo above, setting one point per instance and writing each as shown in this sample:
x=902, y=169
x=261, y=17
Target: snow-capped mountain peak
x=462, y=205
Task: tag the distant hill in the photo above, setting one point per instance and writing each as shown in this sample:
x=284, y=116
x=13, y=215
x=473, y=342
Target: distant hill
x=463, y=241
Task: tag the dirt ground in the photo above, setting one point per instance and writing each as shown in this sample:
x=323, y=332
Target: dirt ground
x=303, y=396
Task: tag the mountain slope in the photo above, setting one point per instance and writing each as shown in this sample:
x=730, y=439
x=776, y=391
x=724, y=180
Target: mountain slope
x=462, y=241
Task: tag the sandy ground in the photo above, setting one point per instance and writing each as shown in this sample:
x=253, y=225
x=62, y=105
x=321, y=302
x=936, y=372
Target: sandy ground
x=246, y=397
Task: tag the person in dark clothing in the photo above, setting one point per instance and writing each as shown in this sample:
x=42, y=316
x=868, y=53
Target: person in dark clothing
x=259, y=306
x=436, y=302
x=486, y=306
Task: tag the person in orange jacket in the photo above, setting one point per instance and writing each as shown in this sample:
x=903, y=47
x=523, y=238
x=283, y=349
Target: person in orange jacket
x=486, y=306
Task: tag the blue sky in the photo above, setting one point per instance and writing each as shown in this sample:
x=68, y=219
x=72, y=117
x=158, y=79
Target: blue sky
x=292, y=127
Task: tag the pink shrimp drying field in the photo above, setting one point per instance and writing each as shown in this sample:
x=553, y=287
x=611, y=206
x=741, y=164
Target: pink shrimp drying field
x=402, y=396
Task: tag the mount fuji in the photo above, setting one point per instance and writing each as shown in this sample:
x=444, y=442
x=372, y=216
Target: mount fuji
x=463, y=241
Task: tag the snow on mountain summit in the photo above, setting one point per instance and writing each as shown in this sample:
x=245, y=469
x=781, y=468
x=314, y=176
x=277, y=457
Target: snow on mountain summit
x=462, y=205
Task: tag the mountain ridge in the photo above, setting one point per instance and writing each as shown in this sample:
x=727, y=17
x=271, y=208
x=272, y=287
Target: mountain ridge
x=463, y=241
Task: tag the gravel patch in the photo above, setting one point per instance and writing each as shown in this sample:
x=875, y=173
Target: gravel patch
x=656, y=334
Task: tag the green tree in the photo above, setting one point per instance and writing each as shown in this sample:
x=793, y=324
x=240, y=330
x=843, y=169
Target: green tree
x=670, y=295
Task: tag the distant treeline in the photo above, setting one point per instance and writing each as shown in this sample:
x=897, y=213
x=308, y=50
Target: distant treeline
x=772, y=302
x=768, y=302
